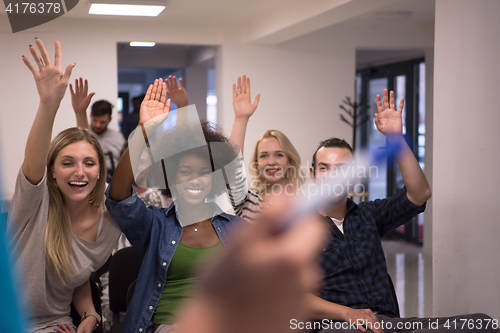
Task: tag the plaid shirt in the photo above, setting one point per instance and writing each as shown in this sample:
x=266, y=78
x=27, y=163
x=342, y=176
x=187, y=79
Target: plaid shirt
x=353, y=263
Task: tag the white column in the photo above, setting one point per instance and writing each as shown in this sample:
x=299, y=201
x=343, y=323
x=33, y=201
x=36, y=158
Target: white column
x=466, y=156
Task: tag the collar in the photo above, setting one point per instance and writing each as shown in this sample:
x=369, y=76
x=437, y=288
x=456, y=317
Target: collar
x=217, y=211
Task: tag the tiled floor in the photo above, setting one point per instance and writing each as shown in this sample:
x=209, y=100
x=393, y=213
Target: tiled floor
x=411, y=272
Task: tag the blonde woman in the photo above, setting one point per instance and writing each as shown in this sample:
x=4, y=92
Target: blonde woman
x=275, y=164
x=61, y=233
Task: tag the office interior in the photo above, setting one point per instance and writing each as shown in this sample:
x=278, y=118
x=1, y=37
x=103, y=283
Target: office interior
x=304, y=57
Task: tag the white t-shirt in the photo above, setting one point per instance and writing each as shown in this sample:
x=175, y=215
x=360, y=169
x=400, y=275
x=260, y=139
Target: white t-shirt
x=47, y=297
x=339, y=224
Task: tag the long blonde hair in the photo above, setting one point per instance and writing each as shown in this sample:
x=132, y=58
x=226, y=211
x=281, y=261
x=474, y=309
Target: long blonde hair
x=295, y=176
x=58, y=233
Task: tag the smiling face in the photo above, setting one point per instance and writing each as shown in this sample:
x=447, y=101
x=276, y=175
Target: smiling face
x=76, y=171
x=193, y=179
x=331, y=162
x=272, y=161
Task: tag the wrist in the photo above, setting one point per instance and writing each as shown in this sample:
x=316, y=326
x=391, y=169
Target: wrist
x=51, y=105
x=394, y=137
x=241, y=119
x=94, y=316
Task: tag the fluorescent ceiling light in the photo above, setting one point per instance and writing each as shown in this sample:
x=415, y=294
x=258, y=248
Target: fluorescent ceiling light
x=125, y=10
x=142, y=44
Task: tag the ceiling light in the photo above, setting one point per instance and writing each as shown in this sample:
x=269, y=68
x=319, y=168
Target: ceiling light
x=142, y=44
x=125, y=10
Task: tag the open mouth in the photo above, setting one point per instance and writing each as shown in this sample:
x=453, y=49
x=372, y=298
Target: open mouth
x=78, y=184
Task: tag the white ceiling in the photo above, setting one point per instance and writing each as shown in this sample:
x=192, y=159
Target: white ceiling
x=276, y=21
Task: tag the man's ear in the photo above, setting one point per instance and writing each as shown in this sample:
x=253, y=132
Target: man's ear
x=311, y=173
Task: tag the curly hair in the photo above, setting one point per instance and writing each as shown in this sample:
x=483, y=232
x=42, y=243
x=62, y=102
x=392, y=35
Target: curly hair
x=216, y=149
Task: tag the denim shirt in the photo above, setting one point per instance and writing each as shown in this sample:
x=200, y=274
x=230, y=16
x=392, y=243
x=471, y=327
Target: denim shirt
x=155, y=233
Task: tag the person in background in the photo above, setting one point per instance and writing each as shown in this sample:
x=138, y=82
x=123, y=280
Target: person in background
x=275, y=164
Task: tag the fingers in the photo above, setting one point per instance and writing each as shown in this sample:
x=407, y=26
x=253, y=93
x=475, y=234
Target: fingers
x=163, y=96
x=37, y=58
x=386, y=100
x=58, y=57
x=380, y=107
x=43, y=52
x=85, y=87
x=401, y=105
x=392, y=103
x=64, y=328
x=248, y=86
x=238, y=86
x=244, y=84
x=234, y=90
x=160, y=89
x=155, y=90
x=29, y=65
x=181, y=82
x=71, y=90
x=147, y=97
x=172, y=83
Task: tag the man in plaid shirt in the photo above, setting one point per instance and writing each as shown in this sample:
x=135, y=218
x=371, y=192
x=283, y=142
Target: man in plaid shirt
x=356, y=289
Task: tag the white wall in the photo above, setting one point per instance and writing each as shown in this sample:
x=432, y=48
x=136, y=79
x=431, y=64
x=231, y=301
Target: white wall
x=466, y=247
x=93, y=47
x=302, y=81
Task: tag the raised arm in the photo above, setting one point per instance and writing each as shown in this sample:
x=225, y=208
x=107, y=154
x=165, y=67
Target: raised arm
x=243, y=110
x=154, y=110
x=178, y=95
x=389, y=123
x=176, y=92
x=51, y=84
x=80, y=100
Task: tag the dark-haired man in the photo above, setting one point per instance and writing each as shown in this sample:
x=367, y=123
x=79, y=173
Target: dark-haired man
x=111, y=141
x=357, y=293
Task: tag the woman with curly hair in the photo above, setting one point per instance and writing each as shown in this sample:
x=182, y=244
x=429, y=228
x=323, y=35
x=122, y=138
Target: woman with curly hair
x=172, y=240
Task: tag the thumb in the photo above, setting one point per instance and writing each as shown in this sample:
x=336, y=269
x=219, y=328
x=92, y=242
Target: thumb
x=256, y=101
x=68, y=71
x=89, y=97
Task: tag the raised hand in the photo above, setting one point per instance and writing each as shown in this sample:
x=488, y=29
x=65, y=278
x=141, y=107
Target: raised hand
x=155, y=104
x=50, y=80
x=388, y=120
x=80, y=98
x=176, y=92
x=242, y=101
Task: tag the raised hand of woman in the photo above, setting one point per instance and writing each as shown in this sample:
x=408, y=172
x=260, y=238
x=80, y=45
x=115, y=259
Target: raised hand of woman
x=51, y=81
